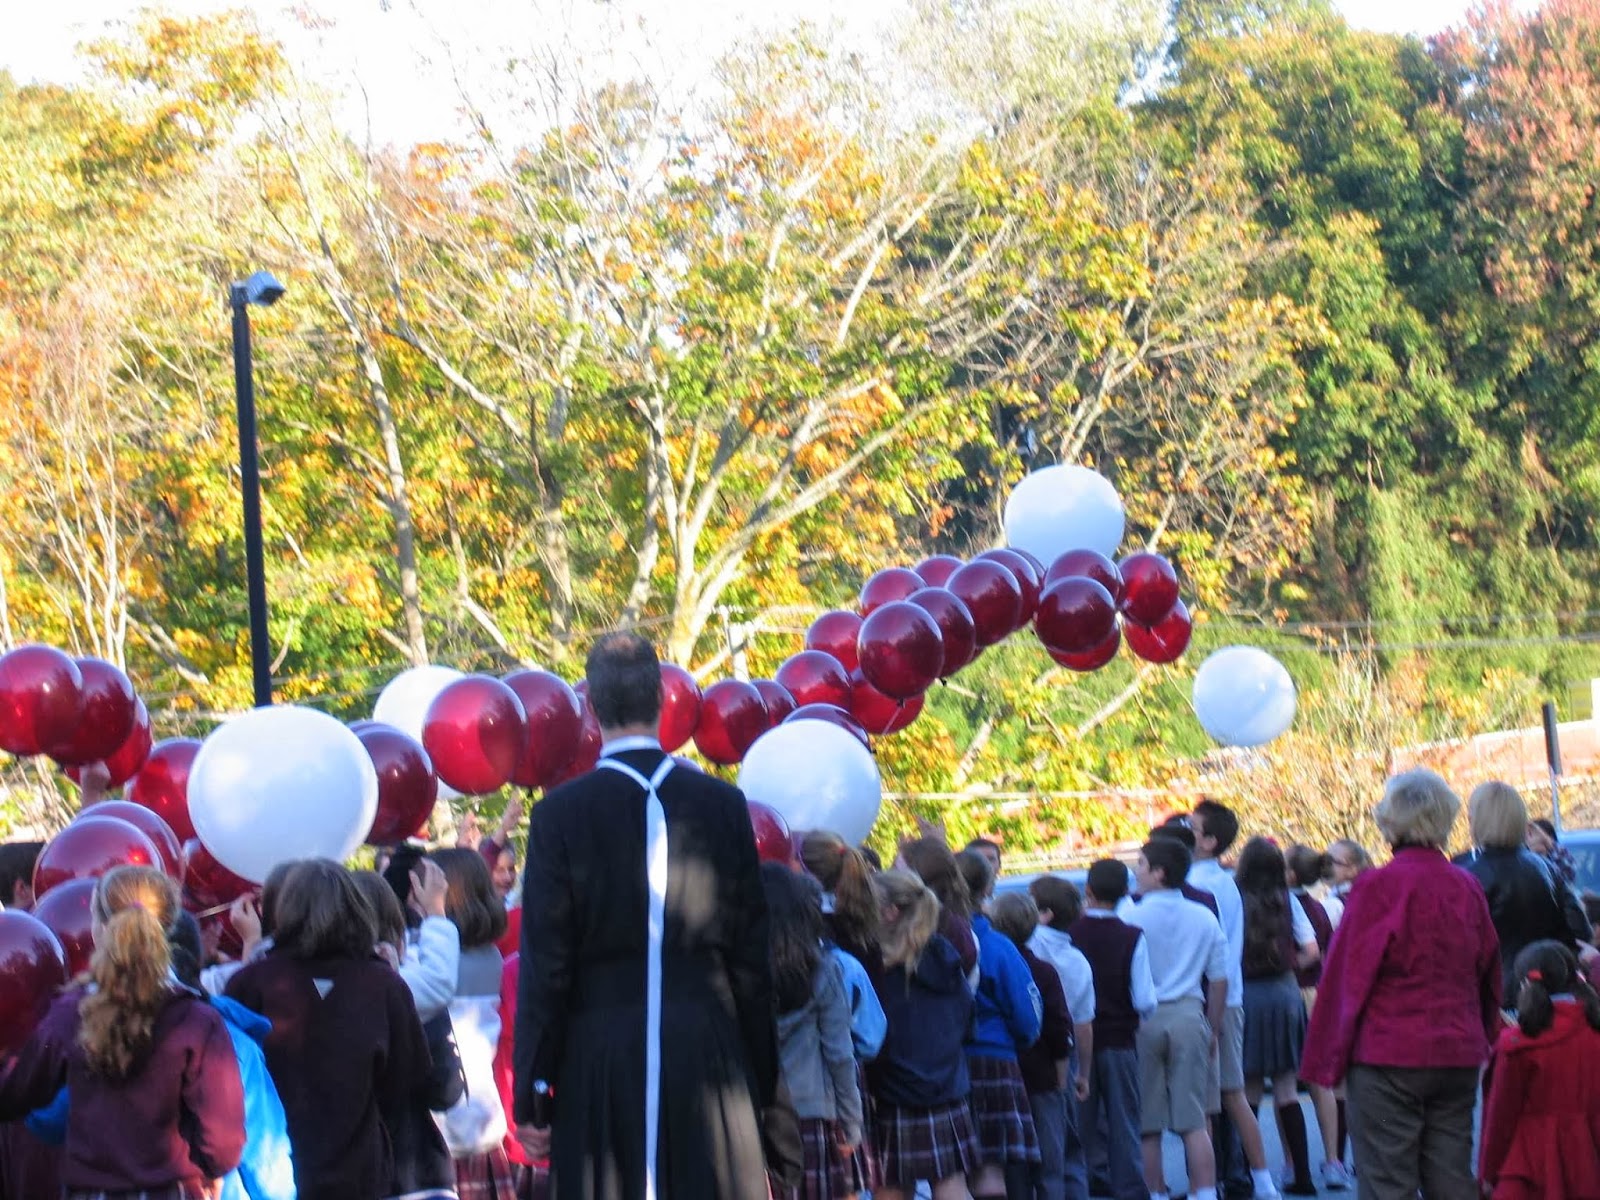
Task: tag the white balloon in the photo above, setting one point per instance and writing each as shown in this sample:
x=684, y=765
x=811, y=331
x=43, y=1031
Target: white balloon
x=277, y=784
x=1061, y=508
x=816, y=776
x=1243, y=696
x=404, y=704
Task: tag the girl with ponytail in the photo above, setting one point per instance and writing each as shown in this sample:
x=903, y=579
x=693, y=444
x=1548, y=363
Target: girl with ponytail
x=157, y=1104
x=849, y=907
x=1541, y=1118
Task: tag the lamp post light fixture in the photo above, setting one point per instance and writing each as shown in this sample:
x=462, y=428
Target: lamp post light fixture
x=263, y=290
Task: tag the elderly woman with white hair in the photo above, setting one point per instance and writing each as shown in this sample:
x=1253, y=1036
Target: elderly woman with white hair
x=1409, y=1003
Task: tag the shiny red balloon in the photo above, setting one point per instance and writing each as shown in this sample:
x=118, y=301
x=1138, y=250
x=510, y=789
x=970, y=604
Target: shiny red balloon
x=832, y=714
x=88, y=848
x=956, y=627
x=1075, y=616
x=41, y=691
x=555, y=726
x=773, y=843
x=993, y=597
x=1030, y=581
x=162, y=784
x=680, y=707
x=813, y=677
x=732, y=717
x=1090, y=564
x=590, y=740
x=901, y=650
x=1151, y=587
x=407, y=786
x=887, y=586
x=206, y=882
x=1032, y=560
x=32, y=970
x=106, y=713
x=881, y=715
x=126, y=760
x=777, y=699
x=937, y=569
x=475, y=732
x=1164, y=641
x=148, y=823
x=66, y=912
x=835, y=633
x=1094, y=658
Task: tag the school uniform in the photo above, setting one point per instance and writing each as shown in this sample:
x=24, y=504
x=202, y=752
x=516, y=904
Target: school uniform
x=1009, y=1013
x=817, y=1054
x=1059, y=1173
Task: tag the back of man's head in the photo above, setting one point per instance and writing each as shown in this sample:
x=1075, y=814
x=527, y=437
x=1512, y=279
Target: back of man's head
x=1169, y=857
x=1107, y=882
x=1217, y=821
x=624, y=679
x=1059, y=902
x=1178, y=829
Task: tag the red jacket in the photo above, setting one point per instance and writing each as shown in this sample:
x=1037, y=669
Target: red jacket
x=1413, y=976
x=1541, y=1123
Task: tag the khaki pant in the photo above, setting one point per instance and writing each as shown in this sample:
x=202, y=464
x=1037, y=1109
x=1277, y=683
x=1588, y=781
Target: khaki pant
x=1411, y=1129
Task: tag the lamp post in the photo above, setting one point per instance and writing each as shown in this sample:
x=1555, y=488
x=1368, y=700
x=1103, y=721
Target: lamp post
x=260, y=289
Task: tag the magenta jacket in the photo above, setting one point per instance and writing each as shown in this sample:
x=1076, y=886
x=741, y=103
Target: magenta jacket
x=1413, y=976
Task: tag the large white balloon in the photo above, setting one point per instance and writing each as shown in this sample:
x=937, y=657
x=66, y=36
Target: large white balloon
x=1061, y=508
x=816, y=776
x=1243, y=696
x=404, y=704
x=282, y=783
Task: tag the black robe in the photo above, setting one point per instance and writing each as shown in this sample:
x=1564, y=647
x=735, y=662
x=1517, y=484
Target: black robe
x=581, y=1010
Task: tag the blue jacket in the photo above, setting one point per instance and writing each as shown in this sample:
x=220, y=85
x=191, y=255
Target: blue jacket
x=1010, y=1011
x=867, y=1022
x=928, y=1011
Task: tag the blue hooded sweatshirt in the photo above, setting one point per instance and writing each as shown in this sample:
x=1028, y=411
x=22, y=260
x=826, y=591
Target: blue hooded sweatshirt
x=1009, y=1010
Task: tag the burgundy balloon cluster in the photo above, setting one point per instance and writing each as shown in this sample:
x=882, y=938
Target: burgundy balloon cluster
x=1090, y=604
x=76, y=711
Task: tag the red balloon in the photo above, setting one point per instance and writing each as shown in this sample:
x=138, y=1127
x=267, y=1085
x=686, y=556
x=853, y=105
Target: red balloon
x=1165, y=641
x=88, y=848
x=1075, y=616
x=834, y=715
x=555, y=726
x=32, y=971
x=206, y=882
x=106, y=715
x=773, y=843
x=901, y=650
x=1090, y=564
x=777, y=699
x=881, y=715
x=732, y=717
x=148, y=823
x=407, y=786
x=993, y=597
x=587, y=751
x=813, y=677
x=162, y=784
x=956, y=627
x=937, y=569
x=680, y=707
x=1030, y=581
x=1032, y=560
x=41, y=691
x=1151, y=587
x=835, y=633
x=887, y=586
x=475, y=732
x=66, y=912
x=1095, y=657
x=126, y=760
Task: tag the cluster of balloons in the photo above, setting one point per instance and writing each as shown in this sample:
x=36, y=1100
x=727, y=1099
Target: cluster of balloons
x=76, y=711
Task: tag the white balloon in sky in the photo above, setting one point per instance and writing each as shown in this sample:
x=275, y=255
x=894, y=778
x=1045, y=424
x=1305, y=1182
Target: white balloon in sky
x=816, y=775
x=1063, y=508
x=1244, y=696
x=405, y=700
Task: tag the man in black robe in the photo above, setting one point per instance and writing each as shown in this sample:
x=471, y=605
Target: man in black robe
x=645, y=995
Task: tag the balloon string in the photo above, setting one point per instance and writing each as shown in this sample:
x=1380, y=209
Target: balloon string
x=213, y=910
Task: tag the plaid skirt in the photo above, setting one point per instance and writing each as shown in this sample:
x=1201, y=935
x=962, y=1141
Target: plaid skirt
x=1001, y=1112
x=486, y=1176
x=171, y=1191
x=916, y=1144
x=864, y=1164
x=533, y=1183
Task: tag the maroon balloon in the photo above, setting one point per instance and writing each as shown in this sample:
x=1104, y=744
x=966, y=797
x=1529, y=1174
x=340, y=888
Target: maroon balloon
x=887, y=586
x=475, y=732
x=32, y=970
x=1095, y=657
x=1030, y=581
x=732, y=717
x=162, y=784
x=937, y=569
x=66, y=913
x=835, y=633
x=773, y=843
x=956, y=627
x=41, y=690
x=148, y=823
x=1151, y=587
x=88, y=848
x=587, y=752
x=881, y=715
x=126, y=760
x=993, y=597
x=1075, y=616
x=680, y=707
x=832, y=714
x=407, y=786
x=901, y=650
x=1032, y=560
x=106, y=714
x=1090, y=564
x=1164, y=641
x=813, y=677
x=206, y=882
x=778, y=701
x=555, y=726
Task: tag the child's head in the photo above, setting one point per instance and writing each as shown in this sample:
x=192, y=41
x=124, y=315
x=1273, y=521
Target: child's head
x=1015, y=915
x=1547, y=969
x=910, y=913
x=390, y=917
x=17, y=860
x=322, y=915
x=794, y=933
x=270, y=891
x=977, y=875
x=469, y=899
x=1261, y=867
x=1107, y=883
x=1306, y=866
x=187, y=948
x=843, y=872
x=132, y=914
x=990, y=849
x=931, y=861
x=1216, y=828
x=1059, y=904
x=1163, y=863
x=503, y=877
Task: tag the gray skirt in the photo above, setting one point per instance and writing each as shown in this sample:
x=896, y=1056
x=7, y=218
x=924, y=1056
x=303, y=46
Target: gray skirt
x=1274, y=1026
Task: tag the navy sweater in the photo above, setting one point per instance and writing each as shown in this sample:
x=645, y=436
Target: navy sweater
x=929, y=1012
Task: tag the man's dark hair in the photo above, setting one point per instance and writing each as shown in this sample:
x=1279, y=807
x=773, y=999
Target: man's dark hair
x=1060, y=897
x=624, y=681
x=1217, y=821
x=1176, y=829
x=16, y=866
x=1108, y=881
x=323, y=915
x=1171, y=858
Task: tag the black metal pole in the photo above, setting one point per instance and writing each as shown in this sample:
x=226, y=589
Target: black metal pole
x=250, y=476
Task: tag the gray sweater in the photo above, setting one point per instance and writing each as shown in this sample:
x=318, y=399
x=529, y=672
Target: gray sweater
x=819, y=1062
